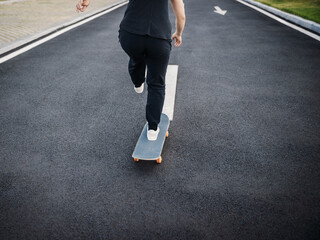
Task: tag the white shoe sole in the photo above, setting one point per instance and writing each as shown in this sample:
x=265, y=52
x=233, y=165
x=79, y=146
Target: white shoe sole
x=139, y=89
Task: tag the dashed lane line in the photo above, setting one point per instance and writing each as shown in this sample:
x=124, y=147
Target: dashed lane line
x=171, y=85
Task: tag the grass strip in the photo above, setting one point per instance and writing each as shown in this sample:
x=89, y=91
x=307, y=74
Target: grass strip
x=308, y=9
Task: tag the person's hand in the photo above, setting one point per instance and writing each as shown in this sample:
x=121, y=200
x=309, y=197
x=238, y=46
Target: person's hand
x=177, y=38
x=82, y=5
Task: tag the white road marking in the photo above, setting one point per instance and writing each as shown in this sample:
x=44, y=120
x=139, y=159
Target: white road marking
x=220, y=11
x=43, y=40
x=310, y=34
x=171, y=85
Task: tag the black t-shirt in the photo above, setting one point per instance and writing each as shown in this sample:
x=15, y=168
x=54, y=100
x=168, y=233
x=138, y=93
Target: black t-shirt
x=147, y=17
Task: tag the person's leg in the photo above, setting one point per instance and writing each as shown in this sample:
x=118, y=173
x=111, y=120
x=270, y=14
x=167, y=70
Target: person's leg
x=137, y=68
x=157, y=59
x=134, y=46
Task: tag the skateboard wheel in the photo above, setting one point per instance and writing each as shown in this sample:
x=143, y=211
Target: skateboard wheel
x=167, y=134
x=159, y=160
x=136, y=159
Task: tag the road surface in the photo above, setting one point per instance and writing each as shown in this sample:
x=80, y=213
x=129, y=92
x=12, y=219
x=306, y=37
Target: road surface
x=241, y=162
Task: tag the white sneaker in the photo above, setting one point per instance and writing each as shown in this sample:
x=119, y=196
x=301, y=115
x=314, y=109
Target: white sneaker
x=152, y=134
x=139, y=89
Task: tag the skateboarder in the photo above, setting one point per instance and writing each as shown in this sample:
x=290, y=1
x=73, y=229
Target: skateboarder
x=145, y=35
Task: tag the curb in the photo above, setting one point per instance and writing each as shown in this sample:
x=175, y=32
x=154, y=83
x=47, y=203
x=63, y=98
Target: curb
x=37, y=36
x=307, y=24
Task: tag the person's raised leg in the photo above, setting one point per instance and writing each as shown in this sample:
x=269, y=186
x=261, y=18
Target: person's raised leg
x=134, y=46
x=137, y=68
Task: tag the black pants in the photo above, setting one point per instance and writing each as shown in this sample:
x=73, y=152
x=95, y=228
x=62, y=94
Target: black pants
x=153, y=53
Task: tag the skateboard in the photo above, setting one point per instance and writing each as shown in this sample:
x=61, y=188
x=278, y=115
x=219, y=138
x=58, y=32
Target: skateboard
x=151, y=150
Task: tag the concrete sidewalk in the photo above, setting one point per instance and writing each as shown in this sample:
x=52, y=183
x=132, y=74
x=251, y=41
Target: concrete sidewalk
x=21, y=19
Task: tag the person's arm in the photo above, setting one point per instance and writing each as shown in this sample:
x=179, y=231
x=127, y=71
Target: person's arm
x=178, y=9
x=82, y=5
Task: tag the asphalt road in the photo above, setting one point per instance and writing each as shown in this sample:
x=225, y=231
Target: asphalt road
x=241, y=162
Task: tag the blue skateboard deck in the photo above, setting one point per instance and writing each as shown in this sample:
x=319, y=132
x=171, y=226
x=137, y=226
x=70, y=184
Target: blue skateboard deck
x=151, y=150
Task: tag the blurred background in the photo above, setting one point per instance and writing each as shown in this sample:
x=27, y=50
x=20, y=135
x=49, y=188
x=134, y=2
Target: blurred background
x=308, y=9
x=23, y=18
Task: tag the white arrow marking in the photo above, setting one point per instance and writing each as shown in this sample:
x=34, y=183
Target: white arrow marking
x=220, y=11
